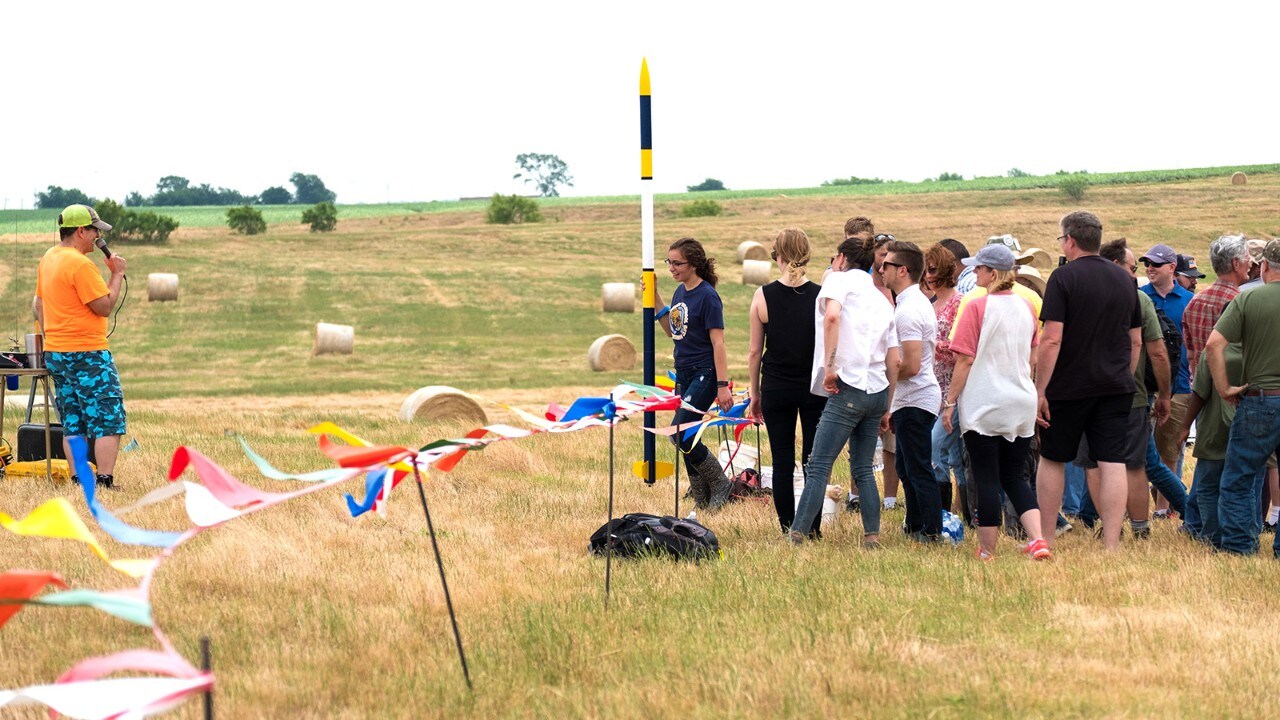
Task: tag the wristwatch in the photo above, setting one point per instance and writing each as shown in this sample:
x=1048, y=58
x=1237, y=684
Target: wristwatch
x=722, y=383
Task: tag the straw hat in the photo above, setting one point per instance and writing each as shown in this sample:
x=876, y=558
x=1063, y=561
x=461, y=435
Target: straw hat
x=1032, y=278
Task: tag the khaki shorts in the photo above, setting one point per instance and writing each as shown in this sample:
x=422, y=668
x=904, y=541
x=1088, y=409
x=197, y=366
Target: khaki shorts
x=1167, y=434
x=889, y=441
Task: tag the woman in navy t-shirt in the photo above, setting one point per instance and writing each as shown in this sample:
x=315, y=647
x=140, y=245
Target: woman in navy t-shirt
x=696, y=323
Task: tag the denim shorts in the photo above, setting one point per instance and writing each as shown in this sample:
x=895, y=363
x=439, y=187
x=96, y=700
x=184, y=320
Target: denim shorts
x=89, y=399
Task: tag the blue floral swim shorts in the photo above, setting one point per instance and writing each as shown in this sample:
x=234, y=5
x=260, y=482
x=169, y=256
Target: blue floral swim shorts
x=90, y=401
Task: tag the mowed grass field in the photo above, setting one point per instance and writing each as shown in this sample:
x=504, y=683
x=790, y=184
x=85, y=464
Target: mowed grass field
x=313, y=614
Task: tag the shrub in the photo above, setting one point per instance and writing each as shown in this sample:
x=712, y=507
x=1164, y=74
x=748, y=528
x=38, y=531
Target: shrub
x=946, y=176
x=111, y=212
x=322, y=217
x=1073, y=186
x=145, y=228
x=701, y=208
x=246, y=220
x=1016, y=173
x=133, y=226
x=705, y=185
x=509, y=209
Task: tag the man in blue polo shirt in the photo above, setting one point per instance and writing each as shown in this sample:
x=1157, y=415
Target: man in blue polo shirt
x=1171, y=298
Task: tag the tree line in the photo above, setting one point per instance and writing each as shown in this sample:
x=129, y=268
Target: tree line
x=175, y=190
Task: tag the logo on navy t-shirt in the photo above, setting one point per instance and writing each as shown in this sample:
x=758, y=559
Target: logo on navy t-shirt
x=679, y=320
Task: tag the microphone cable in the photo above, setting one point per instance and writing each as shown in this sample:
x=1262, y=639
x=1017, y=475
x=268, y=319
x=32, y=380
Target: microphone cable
x=116, y=316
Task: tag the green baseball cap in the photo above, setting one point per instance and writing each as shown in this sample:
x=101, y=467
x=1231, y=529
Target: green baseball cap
x=75, y=216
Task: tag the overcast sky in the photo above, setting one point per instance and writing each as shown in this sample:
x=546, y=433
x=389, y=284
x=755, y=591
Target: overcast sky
x=433, y=100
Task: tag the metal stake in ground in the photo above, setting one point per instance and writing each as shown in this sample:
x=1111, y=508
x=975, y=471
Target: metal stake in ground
x=435, y=547
x=207, y=666
x=608, y=538
x=757, y=451
x=676, y=465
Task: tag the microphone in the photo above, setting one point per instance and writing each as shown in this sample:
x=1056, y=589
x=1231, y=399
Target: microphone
x=102, y=245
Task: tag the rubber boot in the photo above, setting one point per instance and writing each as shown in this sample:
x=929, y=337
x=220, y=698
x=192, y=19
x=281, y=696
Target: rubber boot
x=714, y=479
x=698, y=488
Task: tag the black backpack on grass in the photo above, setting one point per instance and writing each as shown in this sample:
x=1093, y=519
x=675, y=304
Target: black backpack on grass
x=1172, y=345
x=641, y=534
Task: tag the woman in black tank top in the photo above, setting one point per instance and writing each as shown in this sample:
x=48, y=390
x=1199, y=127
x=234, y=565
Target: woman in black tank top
x=780, y=364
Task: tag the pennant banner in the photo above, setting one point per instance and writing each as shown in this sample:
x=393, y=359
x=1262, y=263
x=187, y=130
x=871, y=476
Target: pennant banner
x=56, y=519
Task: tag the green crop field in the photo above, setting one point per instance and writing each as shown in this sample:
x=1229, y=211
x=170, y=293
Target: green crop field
x=315, y=615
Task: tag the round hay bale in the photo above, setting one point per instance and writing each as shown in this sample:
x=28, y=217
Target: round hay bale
x=752, y=250
x=612, y=352
x=162, y=287
x=1238, y=178
x=756, y=272
x=620, y=297
x=334, y=339
x=441, y=402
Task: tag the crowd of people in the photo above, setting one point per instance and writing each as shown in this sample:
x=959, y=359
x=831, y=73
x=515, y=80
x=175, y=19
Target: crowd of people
x=1053, y=403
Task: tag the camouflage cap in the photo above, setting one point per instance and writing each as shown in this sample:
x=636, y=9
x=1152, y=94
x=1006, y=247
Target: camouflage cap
x=1256, y=247
x=1272, y=253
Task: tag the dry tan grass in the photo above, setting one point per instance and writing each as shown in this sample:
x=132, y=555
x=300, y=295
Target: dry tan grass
x=316, y=615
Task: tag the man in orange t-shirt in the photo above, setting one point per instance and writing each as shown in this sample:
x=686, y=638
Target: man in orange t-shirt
x=72, y=304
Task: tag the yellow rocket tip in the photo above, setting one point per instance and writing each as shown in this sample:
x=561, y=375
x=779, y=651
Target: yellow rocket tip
x=644, y=76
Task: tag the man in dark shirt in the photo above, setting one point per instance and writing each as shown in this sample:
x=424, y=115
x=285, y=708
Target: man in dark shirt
x=1084, y=377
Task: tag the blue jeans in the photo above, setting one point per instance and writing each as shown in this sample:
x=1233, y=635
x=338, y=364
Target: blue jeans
x=698, y=388
x=1074, y=490
x=1164, y=480
x=851, y=416
x=947, y=452
x=1193, y=519
x=1255, y=434
x=1205, y=486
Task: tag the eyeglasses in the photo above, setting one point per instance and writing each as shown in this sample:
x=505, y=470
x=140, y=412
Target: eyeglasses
x=1152, y=263
x=1133, y=268
x=884, y=237
x=774, y=255
x=1061, y=238
x=886, y=262
x=676, y=263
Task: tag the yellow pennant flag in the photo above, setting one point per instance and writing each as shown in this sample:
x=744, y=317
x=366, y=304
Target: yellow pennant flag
x=57, y=519
x=328, y=428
